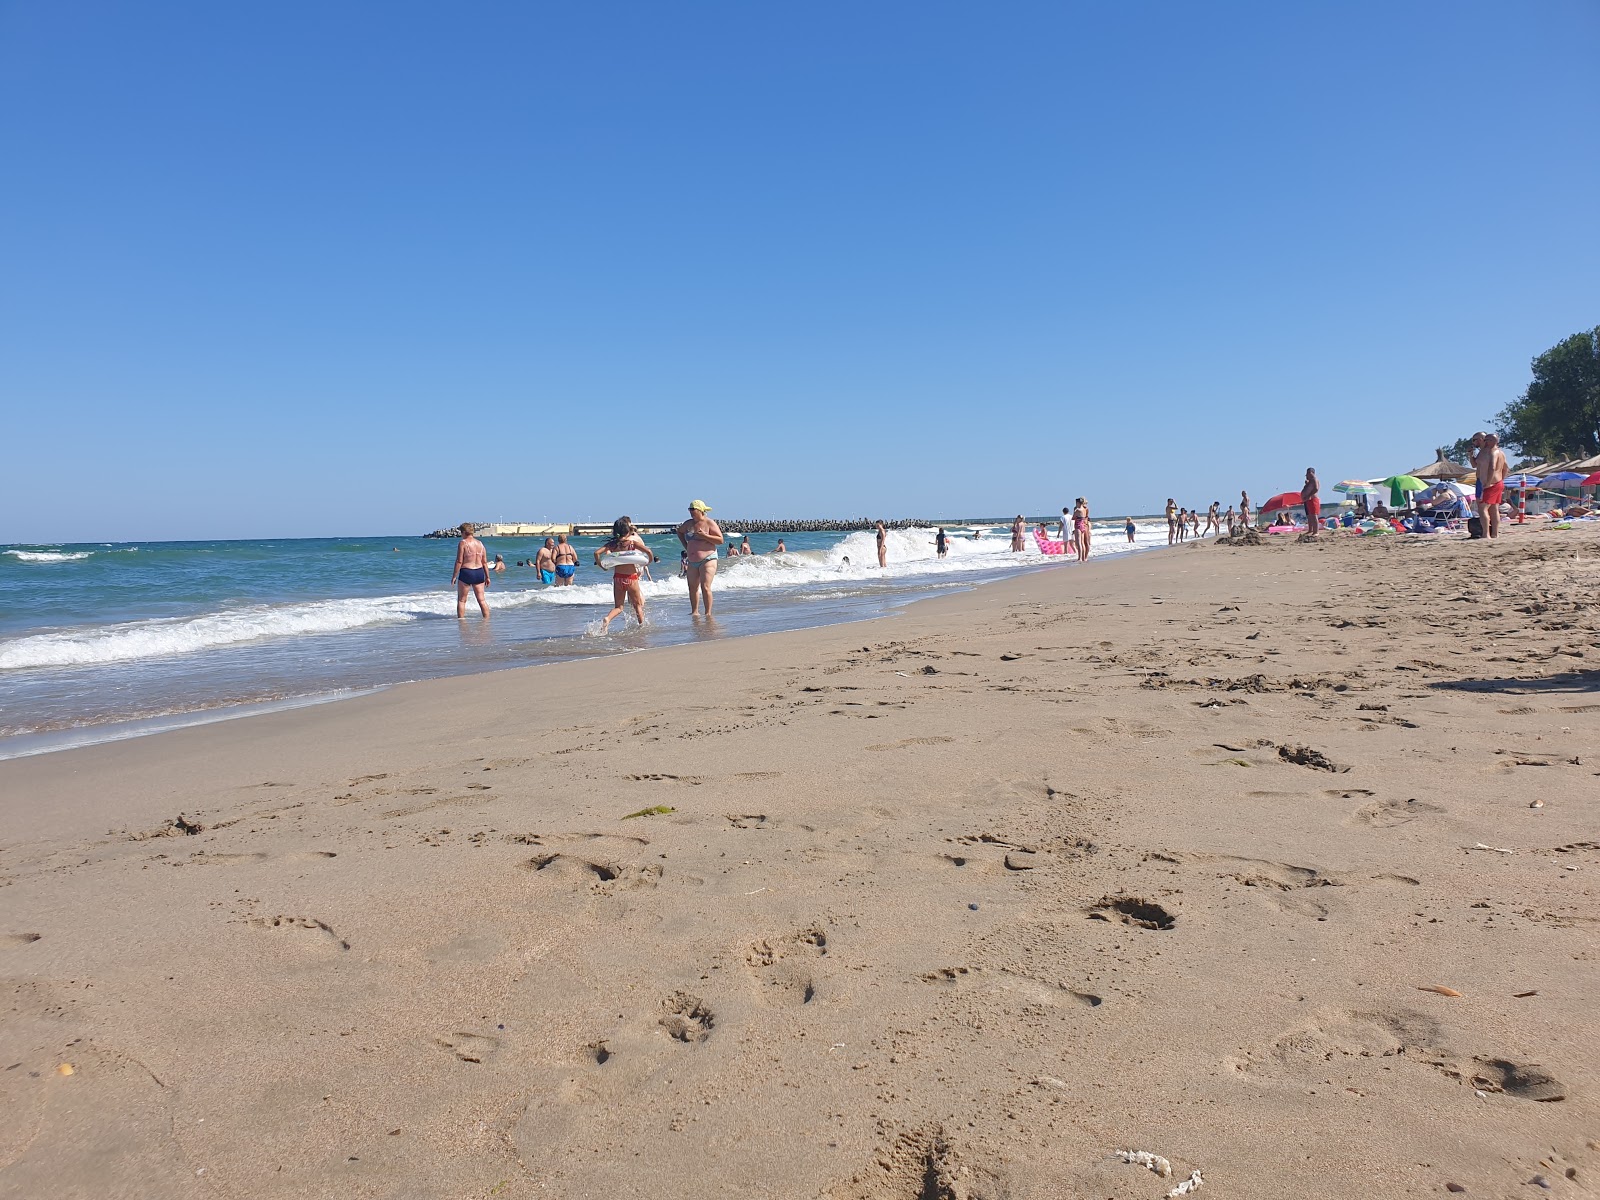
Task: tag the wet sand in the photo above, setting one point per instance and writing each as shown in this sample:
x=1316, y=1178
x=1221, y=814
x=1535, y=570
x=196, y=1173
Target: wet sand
x=1156, y=854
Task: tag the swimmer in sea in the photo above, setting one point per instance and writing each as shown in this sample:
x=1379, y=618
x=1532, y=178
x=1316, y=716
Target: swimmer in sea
x=780, y=549
x=545, y=562
x=700, y=536
x=883, y=546
x=471, y=571
x=744, y=545
x=499, y=563
x=566, y=560
x=625, y=580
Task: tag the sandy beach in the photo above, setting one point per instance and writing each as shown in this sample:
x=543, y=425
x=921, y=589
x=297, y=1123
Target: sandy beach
x=1226, y=854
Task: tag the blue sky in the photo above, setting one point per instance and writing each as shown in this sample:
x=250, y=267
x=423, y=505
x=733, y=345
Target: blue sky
x=305, y=268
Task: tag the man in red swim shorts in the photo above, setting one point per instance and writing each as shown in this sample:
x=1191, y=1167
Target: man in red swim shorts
x=1312, y=502
x=1491, y=463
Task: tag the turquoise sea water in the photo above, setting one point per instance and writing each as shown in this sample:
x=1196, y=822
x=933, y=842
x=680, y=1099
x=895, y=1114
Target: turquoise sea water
x=95, y=636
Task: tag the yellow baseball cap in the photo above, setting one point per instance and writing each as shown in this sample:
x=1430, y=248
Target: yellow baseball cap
x=700, y=505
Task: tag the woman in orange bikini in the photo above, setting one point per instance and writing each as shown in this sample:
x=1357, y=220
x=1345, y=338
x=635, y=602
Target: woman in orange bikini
x=625, y=579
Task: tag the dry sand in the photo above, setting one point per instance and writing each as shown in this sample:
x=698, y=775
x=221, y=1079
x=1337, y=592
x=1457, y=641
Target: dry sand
x=956, y=903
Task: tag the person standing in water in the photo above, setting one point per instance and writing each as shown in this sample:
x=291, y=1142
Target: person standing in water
x=545, y=562
x=625, y=580
x=780, y=548
x=1130, y=529
x=1016, y=535
x=883, y=545
x=700, y=536
x=566, y=560
x=941, y=544
x=471, y=571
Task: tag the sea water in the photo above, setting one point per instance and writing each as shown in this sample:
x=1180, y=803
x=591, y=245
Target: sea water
x=106, y=640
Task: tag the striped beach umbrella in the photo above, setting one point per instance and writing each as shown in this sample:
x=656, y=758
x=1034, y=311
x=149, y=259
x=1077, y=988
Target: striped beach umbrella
x=1357, y=487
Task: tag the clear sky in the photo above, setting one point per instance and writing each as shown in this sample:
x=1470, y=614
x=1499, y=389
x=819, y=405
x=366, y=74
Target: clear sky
x=320, y=267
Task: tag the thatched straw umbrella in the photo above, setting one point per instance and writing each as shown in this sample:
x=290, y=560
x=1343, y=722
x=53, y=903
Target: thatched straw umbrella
x=1442, y=468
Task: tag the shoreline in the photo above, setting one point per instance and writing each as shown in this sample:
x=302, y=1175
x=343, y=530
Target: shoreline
x=1166, y=857
x=91, y=732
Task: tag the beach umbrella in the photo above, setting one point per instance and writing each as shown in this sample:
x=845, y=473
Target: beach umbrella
x=1442, y=468
x=1357, y=487
x=1560, y=478
x=1591, y=480
x=1522, y=483
x=1399, y=485
x=1282, y=500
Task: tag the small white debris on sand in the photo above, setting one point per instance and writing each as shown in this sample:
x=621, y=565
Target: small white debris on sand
x=1143, y=1158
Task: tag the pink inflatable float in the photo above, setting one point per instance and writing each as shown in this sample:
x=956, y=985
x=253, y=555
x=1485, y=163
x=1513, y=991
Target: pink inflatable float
x=1046, y=546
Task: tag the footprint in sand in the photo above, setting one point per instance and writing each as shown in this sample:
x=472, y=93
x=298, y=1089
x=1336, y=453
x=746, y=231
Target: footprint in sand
x=916, y=741
x=1388, y=813
x=1031, y=989
x=1133, y=910
x=685, y=1018
x=470, y=1047
x=602, y=877
x=748, y=820
x=306, y=923
x=784, y=967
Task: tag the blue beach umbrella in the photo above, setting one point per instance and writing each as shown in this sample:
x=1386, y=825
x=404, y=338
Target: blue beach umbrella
x=1560, y=478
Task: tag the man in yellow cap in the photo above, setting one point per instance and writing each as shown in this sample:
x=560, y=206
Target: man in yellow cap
x=700, y=536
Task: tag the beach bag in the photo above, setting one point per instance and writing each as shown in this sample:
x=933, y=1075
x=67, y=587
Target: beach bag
x=1475, y=526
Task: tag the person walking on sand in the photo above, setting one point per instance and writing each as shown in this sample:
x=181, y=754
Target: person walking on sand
x=625, y=580
x=1194, y=522
x=471, y=571
x=545, y=562
x=700, y=536
x=566, y=561
x=1492, y=468
x=1244, y=509
x=1312, y=502
x=1212, y=523
x=883, y=545
x=1229, y=518
x=1172, y=521
x=1016, y=535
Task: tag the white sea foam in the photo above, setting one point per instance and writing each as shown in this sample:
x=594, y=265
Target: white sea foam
x=49, y=556
x=817, y=573
x=135, y=640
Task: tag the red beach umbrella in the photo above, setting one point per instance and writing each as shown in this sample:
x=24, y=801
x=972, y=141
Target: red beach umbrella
x=1282, y=500
x=1590, y=480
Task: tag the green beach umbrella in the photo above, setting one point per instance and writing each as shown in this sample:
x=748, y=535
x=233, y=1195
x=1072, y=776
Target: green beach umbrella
x=1399, y=485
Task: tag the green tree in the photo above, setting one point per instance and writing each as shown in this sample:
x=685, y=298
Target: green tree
x=1460, y=451
x=1559, y=414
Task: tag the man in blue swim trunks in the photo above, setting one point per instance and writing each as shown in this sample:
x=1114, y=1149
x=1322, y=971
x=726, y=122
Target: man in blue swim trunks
x=545, y=563
x=566, y=561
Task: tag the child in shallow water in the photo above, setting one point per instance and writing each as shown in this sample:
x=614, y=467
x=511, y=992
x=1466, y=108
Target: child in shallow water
x=625, y=579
